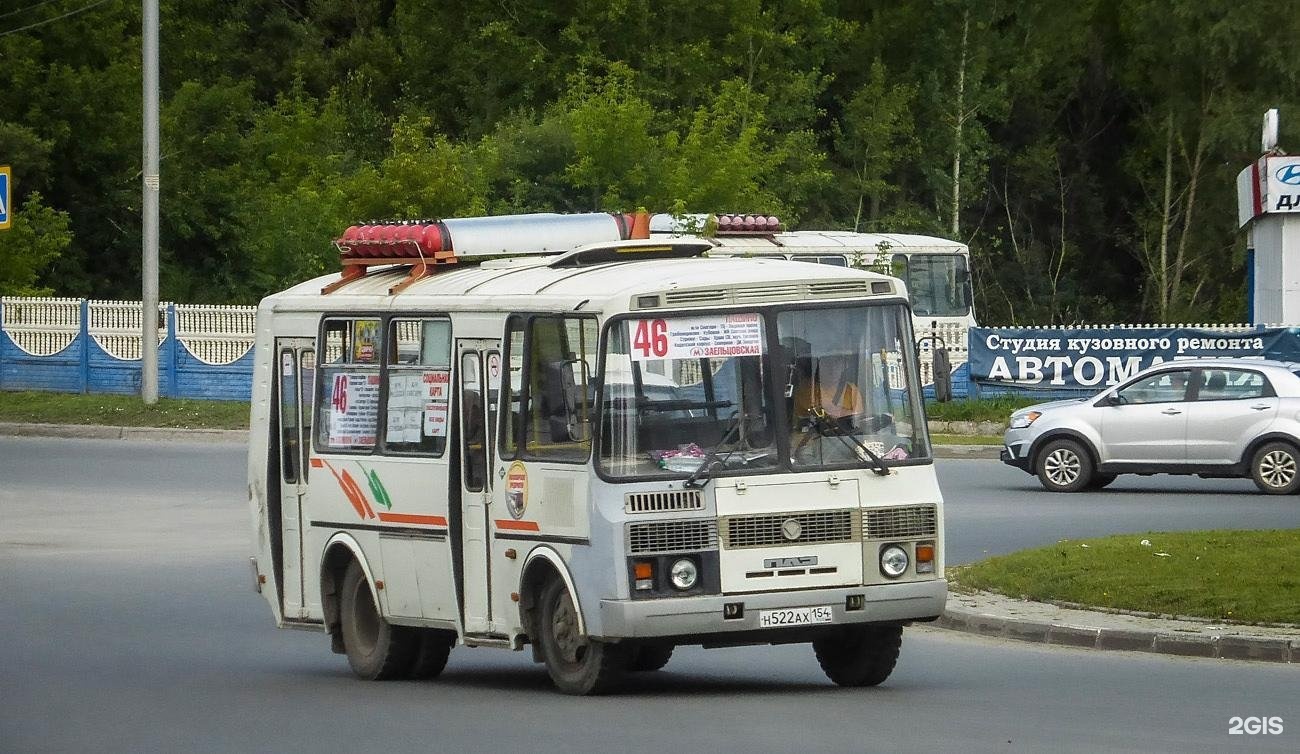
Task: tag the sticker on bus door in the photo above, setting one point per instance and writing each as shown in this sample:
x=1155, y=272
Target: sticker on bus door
x=715, y=336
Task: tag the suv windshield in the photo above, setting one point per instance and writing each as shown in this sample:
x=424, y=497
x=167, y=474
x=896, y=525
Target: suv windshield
x=727, y=394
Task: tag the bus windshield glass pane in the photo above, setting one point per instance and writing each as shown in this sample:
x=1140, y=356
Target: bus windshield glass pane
x=685, y=390
x=852, y=384
x=937, y=283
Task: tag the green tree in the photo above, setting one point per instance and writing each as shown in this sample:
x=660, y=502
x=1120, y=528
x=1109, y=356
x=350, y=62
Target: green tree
x=876, y=135
x=36, y=238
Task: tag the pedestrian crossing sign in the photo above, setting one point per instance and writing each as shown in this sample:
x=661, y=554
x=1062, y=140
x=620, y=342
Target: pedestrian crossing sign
x=5, y=220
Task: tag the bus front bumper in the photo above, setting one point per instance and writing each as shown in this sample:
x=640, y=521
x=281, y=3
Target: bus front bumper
x=691, y=616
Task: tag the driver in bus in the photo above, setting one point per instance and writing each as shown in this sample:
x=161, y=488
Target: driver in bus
x=830, y=387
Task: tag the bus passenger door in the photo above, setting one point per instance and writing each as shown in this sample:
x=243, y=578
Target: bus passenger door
x=295, y=378
x=476, y=399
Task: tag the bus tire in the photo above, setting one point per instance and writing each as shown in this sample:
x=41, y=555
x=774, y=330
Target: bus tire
x=376, y=649
x=431, y=656
x=859, y=655
x=577, y=664
x=650, y=657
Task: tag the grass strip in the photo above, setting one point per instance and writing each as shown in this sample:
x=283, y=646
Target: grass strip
x=121, y=411
x=983, y=410
x=1246, y=576
x=939, y=439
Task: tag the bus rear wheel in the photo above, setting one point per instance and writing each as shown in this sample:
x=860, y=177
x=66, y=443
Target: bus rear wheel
x=576, y=663
x=376, y=649
x=859, y=655
x=431, y=657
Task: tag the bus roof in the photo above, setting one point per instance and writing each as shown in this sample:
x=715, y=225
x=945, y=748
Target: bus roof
x=840, y=242
x=531, y=284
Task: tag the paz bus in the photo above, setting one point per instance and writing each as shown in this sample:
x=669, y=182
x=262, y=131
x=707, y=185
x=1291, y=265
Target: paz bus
x=500, y=432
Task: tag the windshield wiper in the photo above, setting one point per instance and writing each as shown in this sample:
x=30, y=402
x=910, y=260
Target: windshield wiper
x=711, y=458
x=827, y=428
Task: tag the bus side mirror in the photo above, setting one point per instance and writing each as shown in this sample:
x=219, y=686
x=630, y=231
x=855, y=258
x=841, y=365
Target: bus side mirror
x=942, y=375
x=568, y=407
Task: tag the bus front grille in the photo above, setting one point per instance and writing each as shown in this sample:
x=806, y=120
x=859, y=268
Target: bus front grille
x=902, y=522
x=815, y=527
x=660, y=502
x=655, y=537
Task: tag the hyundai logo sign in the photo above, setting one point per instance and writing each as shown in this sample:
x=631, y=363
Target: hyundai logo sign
x=1289, y=174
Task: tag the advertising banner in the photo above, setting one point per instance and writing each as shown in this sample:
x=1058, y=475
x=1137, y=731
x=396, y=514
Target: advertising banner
x=1078, y=358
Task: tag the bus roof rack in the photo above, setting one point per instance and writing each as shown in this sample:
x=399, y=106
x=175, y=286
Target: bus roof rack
x=427, y=246
x=632, y=251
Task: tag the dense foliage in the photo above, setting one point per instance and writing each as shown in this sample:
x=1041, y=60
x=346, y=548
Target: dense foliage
x=1086, y=150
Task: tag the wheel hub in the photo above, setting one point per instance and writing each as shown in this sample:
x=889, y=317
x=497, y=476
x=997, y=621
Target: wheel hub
x=564, y=627
x=1062, y=467
x=1277, y=469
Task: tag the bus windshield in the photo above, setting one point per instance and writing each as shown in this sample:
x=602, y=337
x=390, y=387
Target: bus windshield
x=753, y=392
x=937, y=283
x=852, y=388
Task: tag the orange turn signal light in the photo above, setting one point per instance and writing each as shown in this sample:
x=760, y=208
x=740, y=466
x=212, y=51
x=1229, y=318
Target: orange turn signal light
x=643, y=569
x=924, y=553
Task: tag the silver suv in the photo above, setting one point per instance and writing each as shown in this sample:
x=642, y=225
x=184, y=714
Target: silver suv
x=1209, y=417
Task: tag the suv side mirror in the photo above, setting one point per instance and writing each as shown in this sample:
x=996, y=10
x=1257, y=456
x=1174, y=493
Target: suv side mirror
x=1111, y=400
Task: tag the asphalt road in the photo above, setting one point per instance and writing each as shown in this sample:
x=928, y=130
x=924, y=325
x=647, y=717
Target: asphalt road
x=129, y=624
x=992, y=508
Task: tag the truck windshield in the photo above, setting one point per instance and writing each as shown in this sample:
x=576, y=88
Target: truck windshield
x=717, y=394
x=937, y=283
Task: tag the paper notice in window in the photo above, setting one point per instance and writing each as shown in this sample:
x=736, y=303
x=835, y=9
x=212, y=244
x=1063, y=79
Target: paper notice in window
x=435, y=420
x=354, y=409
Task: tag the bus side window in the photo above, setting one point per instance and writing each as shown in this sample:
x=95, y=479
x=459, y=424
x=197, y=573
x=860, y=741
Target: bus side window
x=418, y=393
x=550, y=400
x=348, y=417
x=512, y=407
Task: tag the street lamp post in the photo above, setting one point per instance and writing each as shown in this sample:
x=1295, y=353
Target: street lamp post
x=149, y=265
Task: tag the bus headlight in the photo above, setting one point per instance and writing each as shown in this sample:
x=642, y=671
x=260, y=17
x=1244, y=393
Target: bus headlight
x=684, y=574
x=893, y=561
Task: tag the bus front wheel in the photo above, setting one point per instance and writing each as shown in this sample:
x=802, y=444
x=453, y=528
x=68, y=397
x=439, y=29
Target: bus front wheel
x=576, y=663
x=859, y=655
x=650, y=657
x=376, y=649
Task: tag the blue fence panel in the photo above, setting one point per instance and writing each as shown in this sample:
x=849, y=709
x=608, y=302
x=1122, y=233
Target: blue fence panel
x=223, y=382
x=85, y=366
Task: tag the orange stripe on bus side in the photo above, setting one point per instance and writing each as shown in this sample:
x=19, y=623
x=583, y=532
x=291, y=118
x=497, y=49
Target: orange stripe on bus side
x=412, y=518
x=518, y=525
x=317, y=463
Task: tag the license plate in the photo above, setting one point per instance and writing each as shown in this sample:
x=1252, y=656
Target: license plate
x=795, y=616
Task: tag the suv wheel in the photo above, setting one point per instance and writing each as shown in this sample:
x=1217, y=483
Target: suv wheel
x=1063, y=466
x=1275, y=467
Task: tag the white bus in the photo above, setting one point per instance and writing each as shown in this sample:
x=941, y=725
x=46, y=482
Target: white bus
x=937, y=271
x=599, y=455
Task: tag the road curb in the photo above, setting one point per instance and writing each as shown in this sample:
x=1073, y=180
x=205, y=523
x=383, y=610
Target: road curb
x=98, y=432
x=986, y=452
x=1182, y=638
